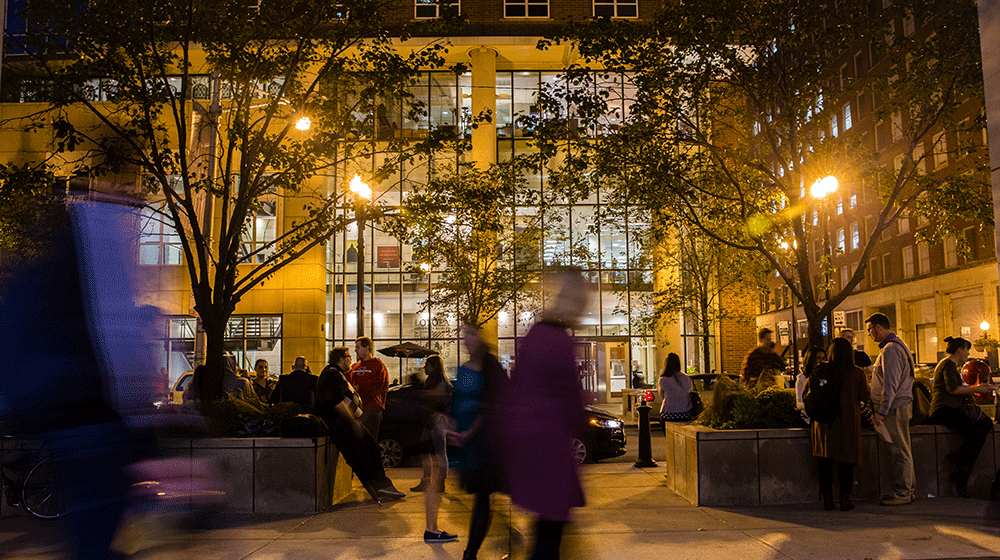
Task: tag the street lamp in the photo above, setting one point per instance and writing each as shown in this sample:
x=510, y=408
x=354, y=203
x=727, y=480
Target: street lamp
x=819, y=190
x=362, y=195
x=303, y=124
x=426, y=269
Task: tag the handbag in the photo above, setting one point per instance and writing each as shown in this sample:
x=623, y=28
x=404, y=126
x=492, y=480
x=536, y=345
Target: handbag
x=697, y=407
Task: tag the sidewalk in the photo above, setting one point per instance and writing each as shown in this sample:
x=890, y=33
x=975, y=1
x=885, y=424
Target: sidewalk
x=630, y=515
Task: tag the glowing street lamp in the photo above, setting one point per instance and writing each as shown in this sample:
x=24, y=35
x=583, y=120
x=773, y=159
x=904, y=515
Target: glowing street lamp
x=303, y=124
x=820, y=190
x=363, y=195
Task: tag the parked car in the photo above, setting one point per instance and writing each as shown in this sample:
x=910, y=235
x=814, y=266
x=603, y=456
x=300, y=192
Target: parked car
x=177, y=394
x=402, y=428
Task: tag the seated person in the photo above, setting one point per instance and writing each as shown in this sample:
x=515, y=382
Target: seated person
x=298, y=387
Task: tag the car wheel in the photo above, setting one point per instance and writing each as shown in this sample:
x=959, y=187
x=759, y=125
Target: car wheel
x=392, y=453
x=580, y=452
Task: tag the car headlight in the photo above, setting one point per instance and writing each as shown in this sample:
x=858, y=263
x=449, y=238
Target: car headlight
x=607, y=423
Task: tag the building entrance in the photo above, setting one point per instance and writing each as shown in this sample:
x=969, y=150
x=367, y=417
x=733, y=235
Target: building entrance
x=602, y=363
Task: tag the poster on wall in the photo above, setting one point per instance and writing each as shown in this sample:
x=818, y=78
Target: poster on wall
x=387, y=256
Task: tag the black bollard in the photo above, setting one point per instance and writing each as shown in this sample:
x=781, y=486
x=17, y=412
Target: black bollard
x=645, y=447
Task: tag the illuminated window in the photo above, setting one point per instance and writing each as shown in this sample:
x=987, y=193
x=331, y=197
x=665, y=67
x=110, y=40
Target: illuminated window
x=431, y=9
x=847, y=117
x=259, y=232
x=159, y=242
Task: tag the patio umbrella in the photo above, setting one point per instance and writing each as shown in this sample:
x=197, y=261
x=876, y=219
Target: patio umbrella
x=407, y=350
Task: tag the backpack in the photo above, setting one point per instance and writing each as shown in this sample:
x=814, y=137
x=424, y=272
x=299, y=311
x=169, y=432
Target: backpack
x=822, y=394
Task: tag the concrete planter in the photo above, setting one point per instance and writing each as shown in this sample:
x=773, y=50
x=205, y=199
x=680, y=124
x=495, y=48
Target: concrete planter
x=760, y=467
x=264, y=475
x=273, y=475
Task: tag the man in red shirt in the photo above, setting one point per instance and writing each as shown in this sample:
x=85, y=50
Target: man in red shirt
x=370, y=379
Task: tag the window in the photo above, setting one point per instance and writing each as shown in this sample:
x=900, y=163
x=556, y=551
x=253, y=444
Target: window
x=897, y=126
x=855, y=237
x=940, y=150
x=854, y=201
x=924, y=254
x=904, y=224
x=845, y=276
x=886, y=268
x=840, y=240
x=873, y=277
x=260, y=229
x=526, y=8
x=159, y=242
x=833, y=127
x=840, y=206
x=431, y=9
x=950, y=251
x=909, y=25
x=908, y=270
x=251, y=338
x=815, y=218
x=847, y=117
x=616, y=8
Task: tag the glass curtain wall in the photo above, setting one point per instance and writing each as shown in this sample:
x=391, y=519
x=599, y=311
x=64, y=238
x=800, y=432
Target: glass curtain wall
x=395, y=290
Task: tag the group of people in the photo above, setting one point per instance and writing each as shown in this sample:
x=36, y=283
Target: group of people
x=890, y=398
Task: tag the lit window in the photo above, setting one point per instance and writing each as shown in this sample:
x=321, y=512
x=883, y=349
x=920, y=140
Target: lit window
x=833, y=127
x=158, y=240
x=259, y=231
x=840, y=241
x=854, y=201
x=847, y=117
x=855, y=236
x=815, y=218
x=616, y=8
x=908, y=270
x=526, y=8
x=840, y=206
x=431, y=9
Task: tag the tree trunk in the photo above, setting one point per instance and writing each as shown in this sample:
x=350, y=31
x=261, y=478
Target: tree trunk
x=211, y=381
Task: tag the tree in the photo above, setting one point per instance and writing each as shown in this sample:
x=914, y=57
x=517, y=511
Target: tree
x=28, y=210
x=739, y=108
x=200, y=101
x=471, y=223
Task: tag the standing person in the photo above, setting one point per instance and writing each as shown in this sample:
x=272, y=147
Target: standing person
x=762, y=357
x=952, y=406
x=262, y=385
x=435, y=397
x=371, y=379
x=475, y=408
x=892, y=399
x=334, y=405
x=814, y=355
x=544, y=410
x=861, y=359
x=299, y=387
x=675, y=391
x=839, y=441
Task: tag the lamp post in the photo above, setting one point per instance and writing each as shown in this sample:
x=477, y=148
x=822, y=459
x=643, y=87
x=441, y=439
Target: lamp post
x=795, y=326
x=362, y=195
x=819, y=190
x=426, y=268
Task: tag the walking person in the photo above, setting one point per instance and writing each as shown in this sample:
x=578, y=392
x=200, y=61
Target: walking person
x=544, y=410
x=475, y=407
x=839, y=441
x=892, y=400
x=371, y=379
x=435, y=397
x=675, y=391
x=952, y=407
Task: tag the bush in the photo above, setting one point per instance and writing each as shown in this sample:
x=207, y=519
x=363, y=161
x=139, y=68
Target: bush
x=736, y=407
x=234, y=417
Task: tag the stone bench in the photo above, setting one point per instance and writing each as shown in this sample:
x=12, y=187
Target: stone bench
x=711, y=467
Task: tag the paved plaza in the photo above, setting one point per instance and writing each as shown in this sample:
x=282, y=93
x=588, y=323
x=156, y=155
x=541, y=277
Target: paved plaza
x=630, y=514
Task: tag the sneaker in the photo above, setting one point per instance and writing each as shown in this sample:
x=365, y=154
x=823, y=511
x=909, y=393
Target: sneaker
x=442, y=537
x=894, y=501
x=390, y=493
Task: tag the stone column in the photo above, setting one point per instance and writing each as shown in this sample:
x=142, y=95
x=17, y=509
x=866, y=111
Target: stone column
x=484, y=137
x=989, y=41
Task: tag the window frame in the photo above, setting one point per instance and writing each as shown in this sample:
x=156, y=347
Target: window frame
x=455, y=5
x=616, y=6
x=526, y=4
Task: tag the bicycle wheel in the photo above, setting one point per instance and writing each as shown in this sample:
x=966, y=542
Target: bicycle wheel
x=41, y=494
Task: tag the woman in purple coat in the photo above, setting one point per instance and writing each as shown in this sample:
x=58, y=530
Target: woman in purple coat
x=544, y=401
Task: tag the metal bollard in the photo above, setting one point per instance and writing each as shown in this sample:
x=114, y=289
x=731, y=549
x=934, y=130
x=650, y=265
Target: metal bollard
x=645, y=447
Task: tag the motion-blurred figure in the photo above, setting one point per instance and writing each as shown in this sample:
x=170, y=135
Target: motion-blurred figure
x=77, y=368
x=544, y=411
x=475, y=406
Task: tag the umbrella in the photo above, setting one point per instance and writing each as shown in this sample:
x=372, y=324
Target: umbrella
x=407, y=350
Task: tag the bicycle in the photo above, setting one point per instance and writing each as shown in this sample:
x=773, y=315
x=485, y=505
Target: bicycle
x=34, y=482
